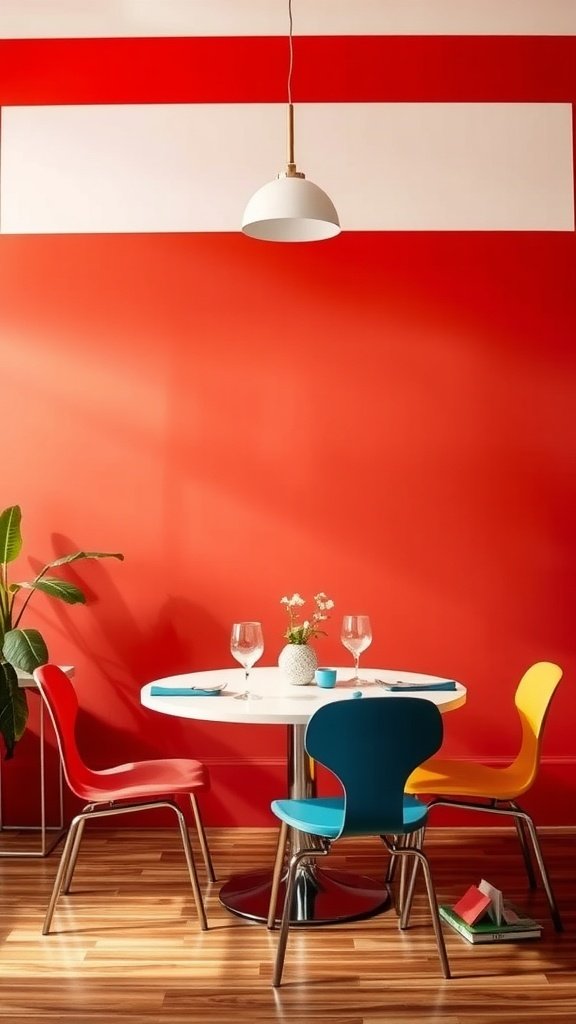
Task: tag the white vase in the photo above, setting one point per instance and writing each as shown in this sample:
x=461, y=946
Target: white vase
x=298, y=663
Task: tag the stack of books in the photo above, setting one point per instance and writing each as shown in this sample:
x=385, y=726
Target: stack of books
x=483, y=915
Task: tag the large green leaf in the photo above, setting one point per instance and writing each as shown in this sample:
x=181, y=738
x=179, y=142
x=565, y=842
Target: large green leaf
x=25, y=649
x=81, y=554
x=54, y=587
x=13, y=708
x=10, y=536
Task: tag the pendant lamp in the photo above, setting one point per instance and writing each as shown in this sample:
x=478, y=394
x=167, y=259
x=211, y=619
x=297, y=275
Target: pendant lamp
x=290, y=208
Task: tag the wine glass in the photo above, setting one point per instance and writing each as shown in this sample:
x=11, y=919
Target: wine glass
x=356, y=635
x=247, y=645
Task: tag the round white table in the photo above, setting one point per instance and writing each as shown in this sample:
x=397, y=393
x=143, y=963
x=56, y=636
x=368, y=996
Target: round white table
x=322, y=896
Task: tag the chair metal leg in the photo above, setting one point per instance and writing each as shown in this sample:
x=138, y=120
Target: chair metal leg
x=407, y=907
x=278, y=865
x=524, y=846
x=202, y=838
x=403, y=842
x=554, y=912
x=414, y=851
x=191, y=867
x=434, y=911
x=285, y=924
x=62, y=869
x=392, y=862
x=75, y=851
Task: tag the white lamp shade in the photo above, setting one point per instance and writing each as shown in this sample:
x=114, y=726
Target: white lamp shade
x=290, y=210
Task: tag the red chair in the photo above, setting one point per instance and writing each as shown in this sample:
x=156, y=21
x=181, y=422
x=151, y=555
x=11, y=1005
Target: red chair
x=123, y=789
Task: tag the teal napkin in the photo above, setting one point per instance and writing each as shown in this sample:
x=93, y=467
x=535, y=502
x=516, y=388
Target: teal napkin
x=157, y=690
x=400, y=687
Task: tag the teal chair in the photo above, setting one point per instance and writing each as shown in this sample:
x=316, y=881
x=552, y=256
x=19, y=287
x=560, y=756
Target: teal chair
x=372, y=746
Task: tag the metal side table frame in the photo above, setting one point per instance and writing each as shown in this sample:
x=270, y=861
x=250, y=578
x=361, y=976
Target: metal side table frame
x=50, y=835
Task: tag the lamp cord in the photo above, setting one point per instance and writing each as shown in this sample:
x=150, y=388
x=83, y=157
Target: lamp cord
x=291, y=50
x=291, y=171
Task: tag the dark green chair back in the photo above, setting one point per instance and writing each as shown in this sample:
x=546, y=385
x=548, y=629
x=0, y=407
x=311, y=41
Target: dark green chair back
x=372, y=745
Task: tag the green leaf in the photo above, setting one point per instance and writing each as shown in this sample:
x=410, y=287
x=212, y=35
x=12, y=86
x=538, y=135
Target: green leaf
x=25, y=649
x=54, y=587
x=81, y=554
x=10, y=536
x=13, y=708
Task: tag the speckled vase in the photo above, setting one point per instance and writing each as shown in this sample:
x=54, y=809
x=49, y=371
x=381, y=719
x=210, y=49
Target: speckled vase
x=298, y=663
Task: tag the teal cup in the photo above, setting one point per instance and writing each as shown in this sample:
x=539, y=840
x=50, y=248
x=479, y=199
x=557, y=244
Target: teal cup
x=325, y=677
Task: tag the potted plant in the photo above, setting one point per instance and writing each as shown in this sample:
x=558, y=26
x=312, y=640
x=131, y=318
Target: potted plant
x=25, y=649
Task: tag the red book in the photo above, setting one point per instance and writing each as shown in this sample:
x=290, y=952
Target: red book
x=473, y=905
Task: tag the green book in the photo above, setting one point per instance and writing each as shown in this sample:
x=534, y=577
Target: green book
x=487, y=931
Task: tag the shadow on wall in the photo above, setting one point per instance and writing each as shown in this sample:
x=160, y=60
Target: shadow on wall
x=113, y=727
x=109, y=683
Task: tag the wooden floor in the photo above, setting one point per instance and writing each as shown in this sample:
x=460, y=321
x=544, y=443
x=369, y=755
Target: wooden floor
x=127, y=948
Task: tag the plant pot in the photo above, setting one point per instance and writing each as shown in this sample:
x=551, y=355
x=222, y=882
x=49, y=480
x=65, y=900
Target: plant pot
x=298, y=662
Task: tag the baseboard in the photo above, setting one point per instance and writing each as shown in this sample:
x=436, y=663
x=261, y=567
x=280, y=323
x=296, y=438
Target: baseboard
x=241, y=791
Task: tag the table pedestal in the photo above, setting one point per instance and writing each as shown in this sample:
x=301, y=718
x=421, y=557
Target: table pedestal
x=320, y=896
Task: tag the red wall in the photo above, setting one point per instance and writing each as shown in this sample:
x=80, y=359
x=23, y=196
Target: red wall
x=386, y=417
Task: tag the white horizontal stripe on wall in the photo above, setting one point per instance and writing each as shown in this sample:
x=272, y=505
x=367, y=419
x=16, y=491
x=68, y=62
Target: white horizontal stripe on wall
x=62, y=19
x=181, y=167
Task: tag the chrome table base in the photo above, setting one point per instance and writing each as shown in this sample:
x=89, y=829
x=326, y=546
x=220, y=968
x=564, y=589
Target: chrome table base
x=321, y=896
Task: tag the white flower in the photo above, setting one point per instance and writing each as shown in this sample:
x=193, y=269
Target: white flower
x=301, y=632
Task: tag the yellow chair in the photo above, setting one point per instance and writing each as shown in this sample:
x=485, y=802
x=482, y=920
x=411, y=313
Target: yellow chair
x=501, y=787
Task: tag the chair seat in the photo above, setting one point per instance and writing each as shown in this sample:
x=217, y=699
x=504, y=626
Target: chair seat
x=145, y=779
x=467, y=779
x=324, y=816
